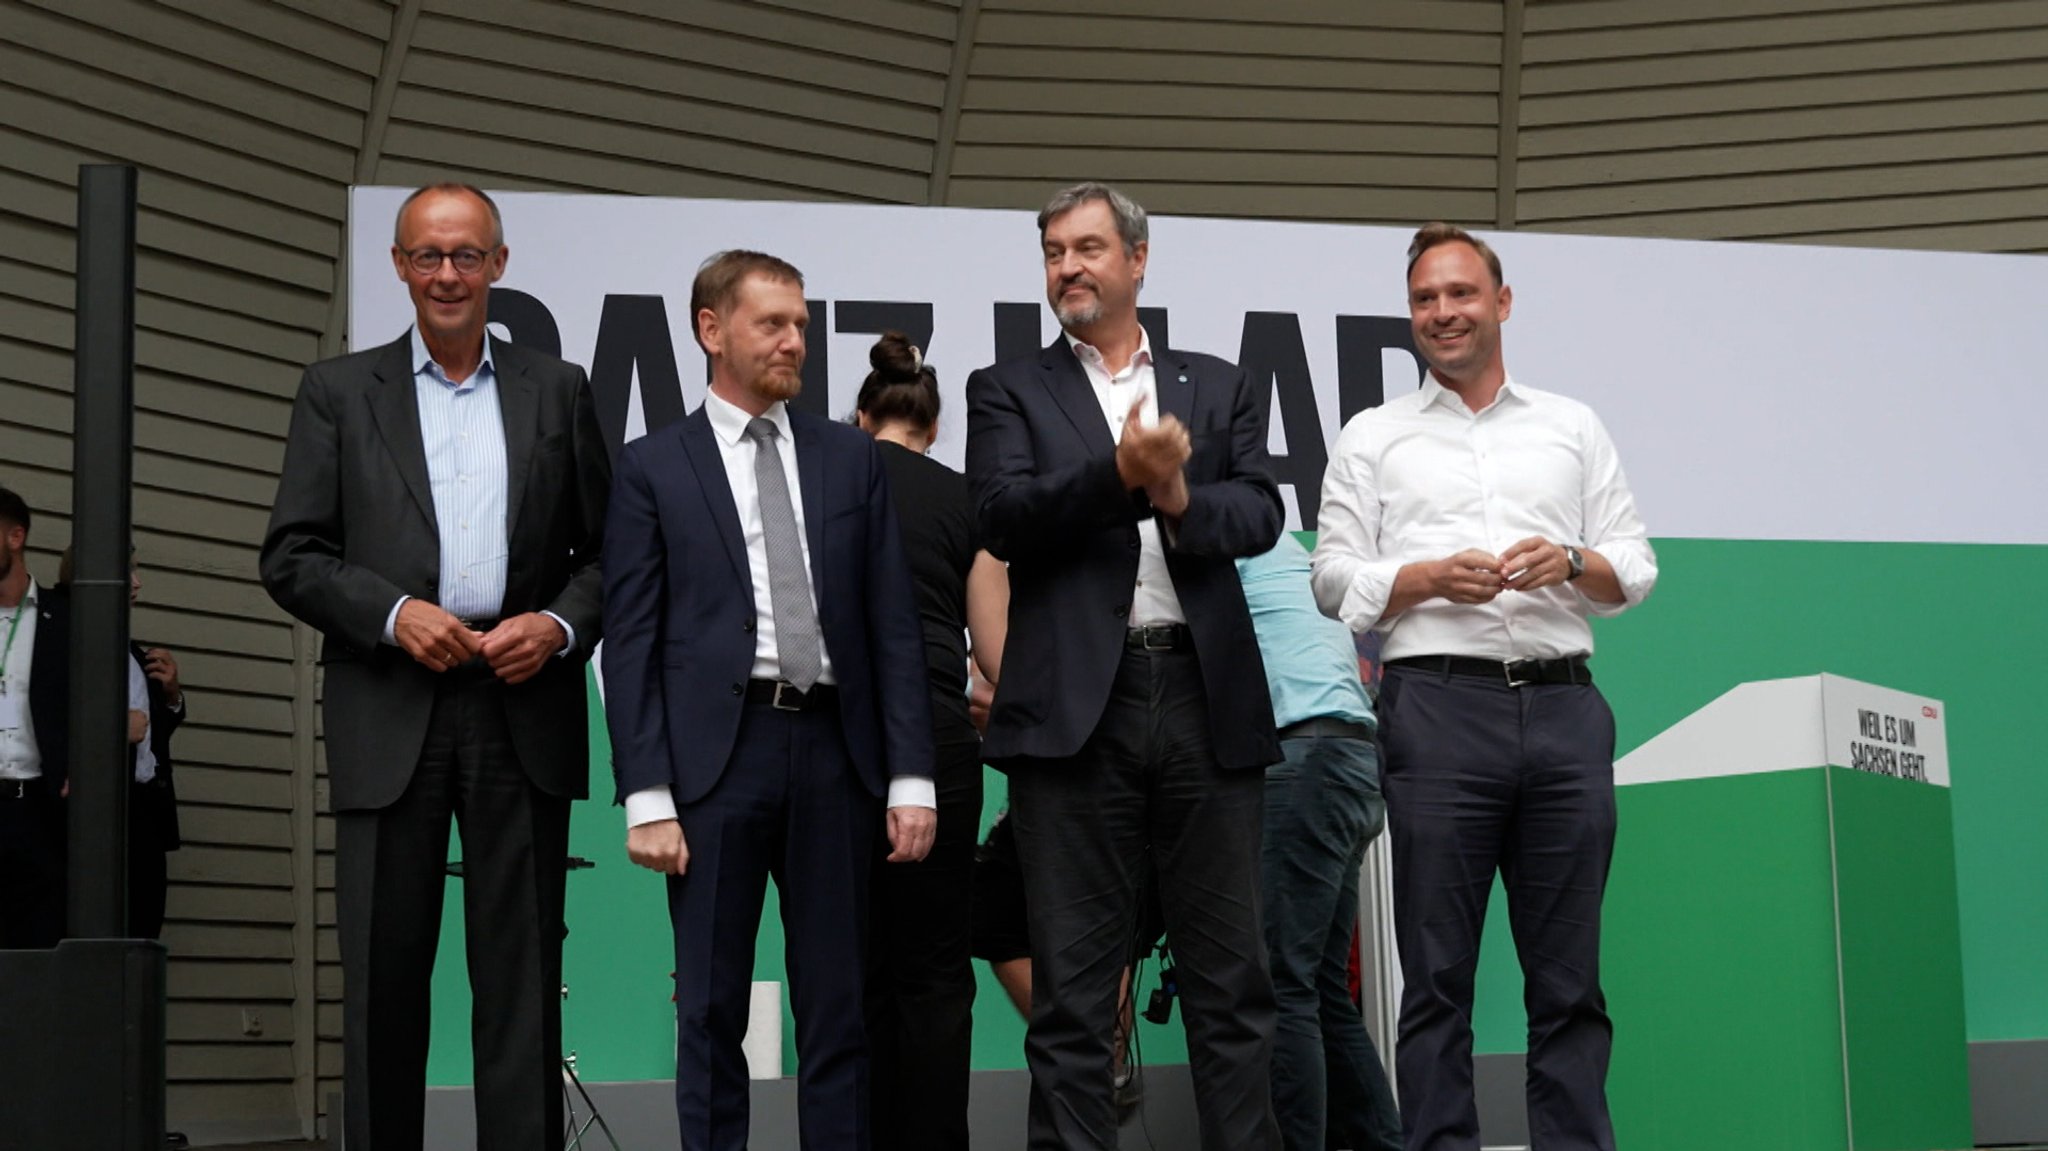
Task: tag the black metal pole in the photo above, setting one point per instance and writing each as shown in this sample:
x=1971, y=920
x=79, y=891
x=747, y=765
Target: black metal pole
x=102, y=442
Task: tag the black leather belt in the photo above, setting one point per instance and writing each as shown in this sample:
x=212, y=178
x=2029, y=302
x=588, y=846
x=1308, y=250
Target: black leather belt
x=21, y=788
x=1520, y=673
x=483, y=625
x=1159, y=637
x=783, y=696
x=1326, y=727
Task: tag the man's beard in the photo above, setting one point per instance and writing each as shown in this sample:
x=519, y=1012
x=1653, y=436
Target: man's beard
x=6, y=564
x=1078, y=315
x=774, y=385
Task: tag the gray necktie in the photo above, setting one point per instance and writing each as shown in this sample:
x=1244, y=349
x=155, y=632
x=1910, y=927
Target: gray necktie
x=789, y=592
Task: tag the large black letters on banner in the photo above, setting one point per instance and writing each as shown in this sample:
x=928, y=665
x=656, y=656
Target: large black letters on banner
x=527, y=321
x=1273, y=356
x=877, y=316
x=1361, y=383
x=633, y=331
x=816, y=398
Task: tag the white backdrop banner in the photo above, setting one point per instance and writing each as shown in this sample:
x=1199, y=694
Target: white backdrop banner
x=1755, y=391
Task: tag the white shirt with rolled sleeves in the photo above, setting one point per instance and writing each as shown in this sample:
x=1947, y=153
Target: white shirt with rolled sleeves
x=1423, y=477
x=737, y=451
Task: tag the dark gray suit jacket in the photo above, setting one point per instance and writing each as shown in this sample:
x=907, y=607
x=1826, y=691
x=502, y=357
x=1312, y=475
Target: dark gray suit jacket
x=353, y=529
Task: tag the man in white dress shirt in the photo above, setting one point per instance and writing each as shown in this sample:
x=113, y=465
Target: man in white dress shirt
x=1477, y=524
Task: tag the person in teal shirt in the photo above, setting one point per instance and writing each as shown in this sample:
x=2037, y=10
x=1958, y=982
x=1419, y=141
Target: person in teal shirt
x=1323, y=807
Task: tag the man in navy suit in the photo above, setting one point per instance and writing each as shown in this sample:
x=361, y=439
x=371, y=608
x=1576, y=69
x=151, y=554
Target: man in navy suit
x=1120, y=481
x=765, y=689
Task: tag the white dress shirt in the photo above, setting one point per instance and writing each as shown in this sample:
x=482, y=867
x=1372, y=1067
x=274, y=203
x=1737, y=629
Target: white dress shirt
x=19, y=756
x=1153, y=600
x=1423, y=477
x=138, y=700
x=737, y=451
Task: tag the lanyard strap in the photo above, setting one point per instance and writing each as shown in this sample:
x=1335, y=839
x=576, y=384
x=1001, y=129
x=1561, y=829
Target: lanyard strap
x=13, y=625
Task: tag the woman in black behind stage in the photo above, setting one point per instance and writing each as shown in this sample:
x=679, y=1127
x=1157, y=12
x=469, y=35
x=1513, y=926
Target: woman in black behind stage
x=920, y=986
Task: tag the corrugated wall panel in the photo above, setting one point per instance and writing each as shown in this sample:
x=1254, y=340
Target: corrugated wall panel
x=244, y=118
x=700, y=98
x=1830, y=122
x=1302, y=110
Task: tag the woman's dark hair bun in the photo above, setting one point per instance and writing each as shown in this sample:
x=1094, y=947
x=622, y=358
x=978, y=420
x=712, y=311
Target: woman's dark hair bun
x=896, y=359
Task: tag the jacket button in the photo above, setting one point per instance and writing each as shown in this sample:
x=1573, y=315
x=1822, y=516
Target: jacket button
x=739, y=689
x=1120, y=610
x=747, y=626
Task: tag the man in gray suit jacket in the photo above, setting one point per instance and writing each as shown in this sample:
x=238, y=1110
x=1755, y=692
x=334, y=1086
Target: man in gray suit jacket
x=439, y=521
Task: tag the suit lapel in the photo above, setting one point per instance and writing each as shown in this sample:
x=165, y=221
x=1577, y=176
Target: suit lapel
x=1068, y=383
x=810, y=476
x=396, y=409
x=700, y=445
x=1176, y=387
x=519, y=408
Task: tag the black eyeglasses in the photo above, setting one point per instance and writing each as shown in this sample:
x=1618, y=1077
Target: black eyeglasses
x=427, y=261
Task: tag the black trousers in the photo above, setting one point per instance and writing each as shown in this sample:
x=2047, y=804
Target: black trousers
x=148, y=865
x=920, y=988
x=790, y=806
x=32, y=868
x=390, y=875
x=1482, y=777
x=1147, y=779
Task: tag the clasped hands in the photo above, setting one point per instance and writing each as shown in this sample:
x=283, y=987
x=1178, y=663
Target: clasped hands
x=1474, y=576
x=659, y=846
x=1151, y=458
x=516, y=649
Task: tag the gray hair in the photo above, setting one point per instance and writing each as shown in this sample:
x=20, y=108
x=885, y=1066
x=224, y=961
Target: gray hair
x=1130, y=218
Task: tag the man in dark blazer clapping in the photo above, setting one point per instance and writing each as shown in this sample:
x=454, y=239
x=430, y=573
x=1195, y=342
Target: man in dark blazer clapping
x=765, y=689
x=439, y=521
x=1120, y=481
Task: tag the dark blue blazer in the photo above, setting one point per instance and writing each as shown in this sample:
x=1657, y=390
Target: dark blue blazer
x=679, y=608
x=1043, y=467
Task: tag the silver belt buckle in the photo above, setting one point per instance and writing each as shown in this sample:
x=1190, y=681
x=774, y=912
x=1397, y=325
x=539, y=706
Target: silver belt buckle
x=1507, y=671
x=795, y=692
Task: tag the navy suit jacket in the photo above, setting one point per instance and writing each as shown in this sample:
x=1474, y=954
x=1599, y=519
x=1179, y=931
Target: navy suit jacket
x=679, y=608
x=1043, y=466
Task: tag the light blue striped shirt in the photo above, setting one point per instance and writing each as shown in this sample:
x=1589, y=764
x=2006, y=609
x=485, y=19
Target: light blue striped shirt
x=462, y=429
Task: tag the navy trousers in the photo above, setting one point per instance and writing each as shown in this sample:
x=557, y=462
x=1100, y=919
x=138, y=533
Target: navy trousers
x=1484, y=778
x=789, y=806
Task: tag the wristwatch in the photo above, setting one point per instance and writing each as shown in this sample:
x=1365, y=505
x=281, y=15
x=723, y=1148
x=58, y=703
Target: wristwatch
x=1577, y=560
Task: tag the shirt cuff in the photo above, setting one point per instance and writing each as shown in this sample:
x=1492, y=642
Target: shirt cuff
x=566, y=630
x=1635, y=569
x=651, y=805
x=1366, y=596
x=913, y=791
x=391, y=622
